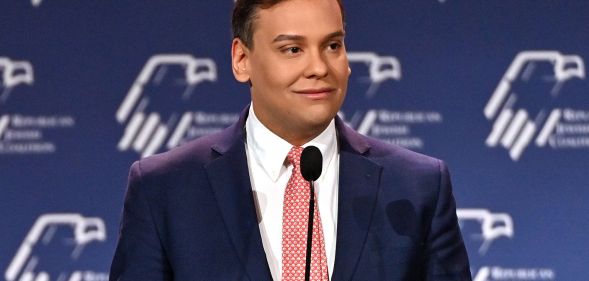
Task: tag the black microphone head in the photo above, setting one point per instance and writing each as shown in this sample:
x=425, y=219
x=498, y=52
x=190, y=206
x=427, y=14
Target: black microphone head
x=311, y=163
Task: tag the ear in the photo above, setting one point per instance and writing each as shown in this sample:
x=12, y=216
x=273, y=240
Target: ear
x=239, y=61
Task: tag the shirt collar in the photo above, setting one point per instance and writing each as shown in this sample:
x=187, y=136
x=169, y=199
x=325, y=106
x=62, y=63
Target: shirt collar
x=270, y=150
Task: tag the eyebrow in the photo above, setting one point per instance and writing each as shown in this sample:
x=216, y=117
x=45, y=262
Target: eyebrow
x=292, y=37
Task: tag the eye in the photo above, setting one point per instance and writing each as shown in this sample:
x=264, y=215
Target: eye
x=293, y=50
x=335, y=46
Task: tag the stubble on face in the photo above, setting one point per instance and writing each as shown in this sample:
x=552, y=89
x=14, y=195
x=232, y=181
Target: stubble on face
x=298, y=67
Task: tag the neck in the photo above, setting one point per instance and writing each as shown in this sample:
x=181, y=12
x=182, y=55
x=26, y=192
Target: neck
x=294, y=133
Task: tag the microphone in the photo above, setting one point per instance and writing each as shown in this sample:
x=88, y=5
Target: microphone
x=311, y=165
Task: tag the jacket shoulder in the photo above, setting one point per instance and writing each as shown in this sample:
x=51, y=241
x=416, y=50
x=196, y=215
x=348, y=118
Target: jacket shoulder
x=387, y=154
x=383, y=153
x=188, y=157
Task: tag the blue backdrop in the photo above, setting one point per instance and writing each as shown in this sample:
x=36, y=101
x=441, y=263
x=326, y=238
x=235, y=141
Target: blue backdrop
x=498, y=89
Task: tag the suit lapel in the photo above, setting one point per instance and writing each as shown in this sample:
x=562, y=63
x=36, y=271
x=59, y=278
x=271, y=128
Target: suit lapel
x=229, y=178
x=359, y=179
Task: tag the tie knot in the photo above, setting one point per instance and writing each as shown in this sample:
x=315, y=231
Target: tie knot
x=294, y=156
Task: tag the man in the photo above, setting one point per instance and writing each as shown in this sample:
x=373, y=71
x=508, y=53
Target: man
x=232, y=206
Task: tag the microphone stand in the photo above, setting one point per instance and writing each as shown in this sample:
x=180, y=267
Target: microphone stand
x=310, y=232
x=311, y=164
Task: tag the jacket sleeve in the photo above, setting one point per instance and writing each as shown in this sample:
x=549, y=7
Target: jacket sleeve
x=446, y=254
x=139, y=253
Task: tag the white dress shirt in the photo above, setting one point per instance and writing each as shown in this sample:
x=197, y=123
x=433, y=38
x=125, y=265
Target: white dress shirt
x=269, y=174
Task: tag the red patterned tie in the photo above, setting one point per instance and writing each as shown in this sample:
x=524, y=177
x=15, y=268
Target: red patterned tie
x=295, y=220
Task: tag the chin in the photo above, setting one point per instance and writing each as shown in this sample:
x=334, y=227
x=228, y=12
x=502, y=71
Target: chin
x=319, y=119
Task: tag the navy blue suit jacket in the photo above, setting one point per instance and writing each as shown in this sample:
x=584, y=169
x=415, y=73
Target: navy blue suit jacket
x=189, y=214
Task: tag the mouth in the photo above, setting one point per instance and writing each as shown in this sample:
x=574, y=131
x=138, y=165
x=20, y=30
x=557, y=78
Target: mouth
x=316, y=93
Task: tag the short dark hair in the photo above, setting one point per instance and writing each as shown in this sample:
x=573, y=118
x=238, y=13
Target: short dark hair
x=244, y=14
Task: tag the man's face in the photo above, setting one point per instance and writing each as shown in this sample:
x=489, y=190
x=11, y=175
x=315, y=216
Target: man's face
x=298, y=67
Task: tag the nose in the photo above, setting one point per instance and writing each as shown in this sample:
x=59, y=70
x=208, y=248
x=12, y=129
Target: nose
x=317, y=66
